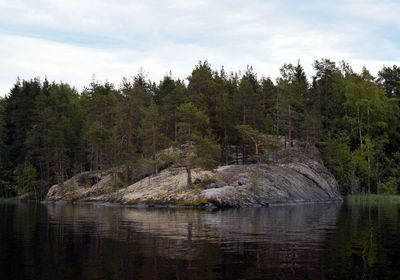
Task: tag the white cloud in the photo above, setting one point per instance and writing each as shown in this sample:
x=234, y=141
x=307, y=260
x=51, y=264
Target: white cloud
x=28, y=57
x=72, y=40
x=374, y=11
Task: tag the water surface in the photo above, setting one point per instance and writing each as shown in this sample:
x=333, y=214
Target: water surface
x=316, y=241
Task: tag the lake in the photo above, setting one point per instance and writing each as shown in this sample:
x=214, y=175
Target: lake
x=314, y=241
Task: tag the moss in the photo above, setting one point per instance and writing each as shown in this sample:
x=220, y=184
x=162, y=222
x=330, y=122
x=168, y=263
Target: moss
x=389, y=186
x=205, y=181
x=67, y=188
x=254, y=180
x=121, y=184
x=197, y=189
x=88, y=199
x=196, y=202
x=109, y=189
x=154, y=201
x=70, y=195
x=186, y=203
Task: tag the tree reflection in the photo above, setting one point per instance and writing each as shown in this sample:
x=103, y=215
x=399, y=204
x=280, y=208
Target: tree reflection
x=319, y=241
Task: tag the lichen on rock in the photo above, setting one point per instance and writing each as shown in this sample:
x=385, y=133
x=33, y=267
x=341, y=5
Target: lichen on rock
x=303, y=179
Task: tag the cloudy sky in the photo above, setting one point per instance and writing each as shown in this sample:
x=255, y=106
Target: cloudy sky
x=75, y=39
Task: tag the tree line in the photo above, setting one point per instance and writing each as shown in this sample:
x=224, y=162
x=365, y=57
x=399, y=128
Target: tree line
x=50, y=131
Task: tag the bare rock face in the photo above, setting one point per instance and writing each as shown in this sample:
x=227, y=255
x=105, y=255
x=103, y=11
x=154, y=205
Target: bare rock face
x=303, y=179
x=82, y=185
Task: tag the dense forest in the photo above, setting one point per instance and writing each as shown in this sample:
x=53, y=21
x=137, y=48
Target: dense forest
x=50, y=131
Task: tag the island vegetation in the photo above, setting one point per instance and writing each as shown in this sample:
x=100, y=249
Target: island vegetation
x=49, y=131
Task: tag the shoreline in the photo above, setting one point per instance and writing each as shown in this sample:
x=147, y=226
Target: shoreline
x=176, y=206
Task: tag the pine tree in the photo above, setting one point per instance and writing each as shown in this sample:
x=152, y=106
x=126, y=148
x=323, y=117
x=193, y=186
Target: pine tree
x=169, y=96
x=151, y=137
x=292, y=90
x=102, y=102
x=262, y=142
x=136, y=96
x=198, y=150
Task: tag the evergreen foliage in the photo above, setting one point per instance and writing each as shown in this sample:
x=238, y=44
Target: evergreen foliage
x=50, y=131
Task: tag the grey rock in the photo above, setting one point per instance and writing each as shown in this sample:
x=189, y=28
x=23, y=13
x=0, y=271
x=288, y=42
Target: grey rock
x=303, y=179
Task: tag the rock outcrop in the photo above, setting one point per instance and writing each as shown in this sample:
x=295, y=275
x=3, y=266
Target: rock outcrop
x=303, y=179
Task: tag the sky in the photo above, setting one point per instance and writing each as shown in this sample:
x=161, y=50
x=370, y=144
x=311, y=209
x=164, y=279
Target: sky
x=73, y=40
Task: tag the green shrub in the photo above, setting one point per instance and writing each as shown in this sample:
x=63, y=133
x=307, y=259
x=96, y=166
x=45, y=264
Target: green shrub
x=68, y=188
x=389, y=186
x=197, y=189
x=372, y=198
x=205, y=181
x=254, y=180
x=109, y=189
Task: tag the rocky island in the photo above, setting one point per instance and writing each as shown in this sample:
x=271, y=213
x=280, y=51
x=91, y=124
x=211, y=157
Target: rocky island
x=302, y=179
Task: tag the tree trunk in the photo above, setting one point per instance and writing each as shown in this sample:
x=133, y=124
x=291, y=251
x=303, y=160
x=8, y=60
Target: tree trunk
x=226, y=150
x=188, y=167
x=62, y=165
x=369, y=174
x=243, y=154
x=285, y=141
x=236, y=155
x=244, y=115
x=175, y=127
x=128, y=173
x=189, y=146
x=130, y=126
x=290, y=133
x=154, y=146
x=189, y=176
x=48, y=165
x=359, y=127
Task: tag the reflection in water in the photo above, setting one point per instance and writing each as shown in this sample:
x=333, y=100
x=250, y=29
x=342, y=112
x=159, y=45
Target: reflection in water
x=291, y=242
x=288, y=226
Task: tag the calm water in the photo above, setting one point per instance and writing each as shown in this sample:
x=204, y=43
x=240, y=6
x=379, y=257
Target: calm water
x=321, y=241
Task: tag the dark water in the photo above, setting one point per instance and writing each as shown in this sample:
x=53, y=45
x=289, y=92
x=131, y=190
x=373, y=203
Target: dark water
x=322, y=241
